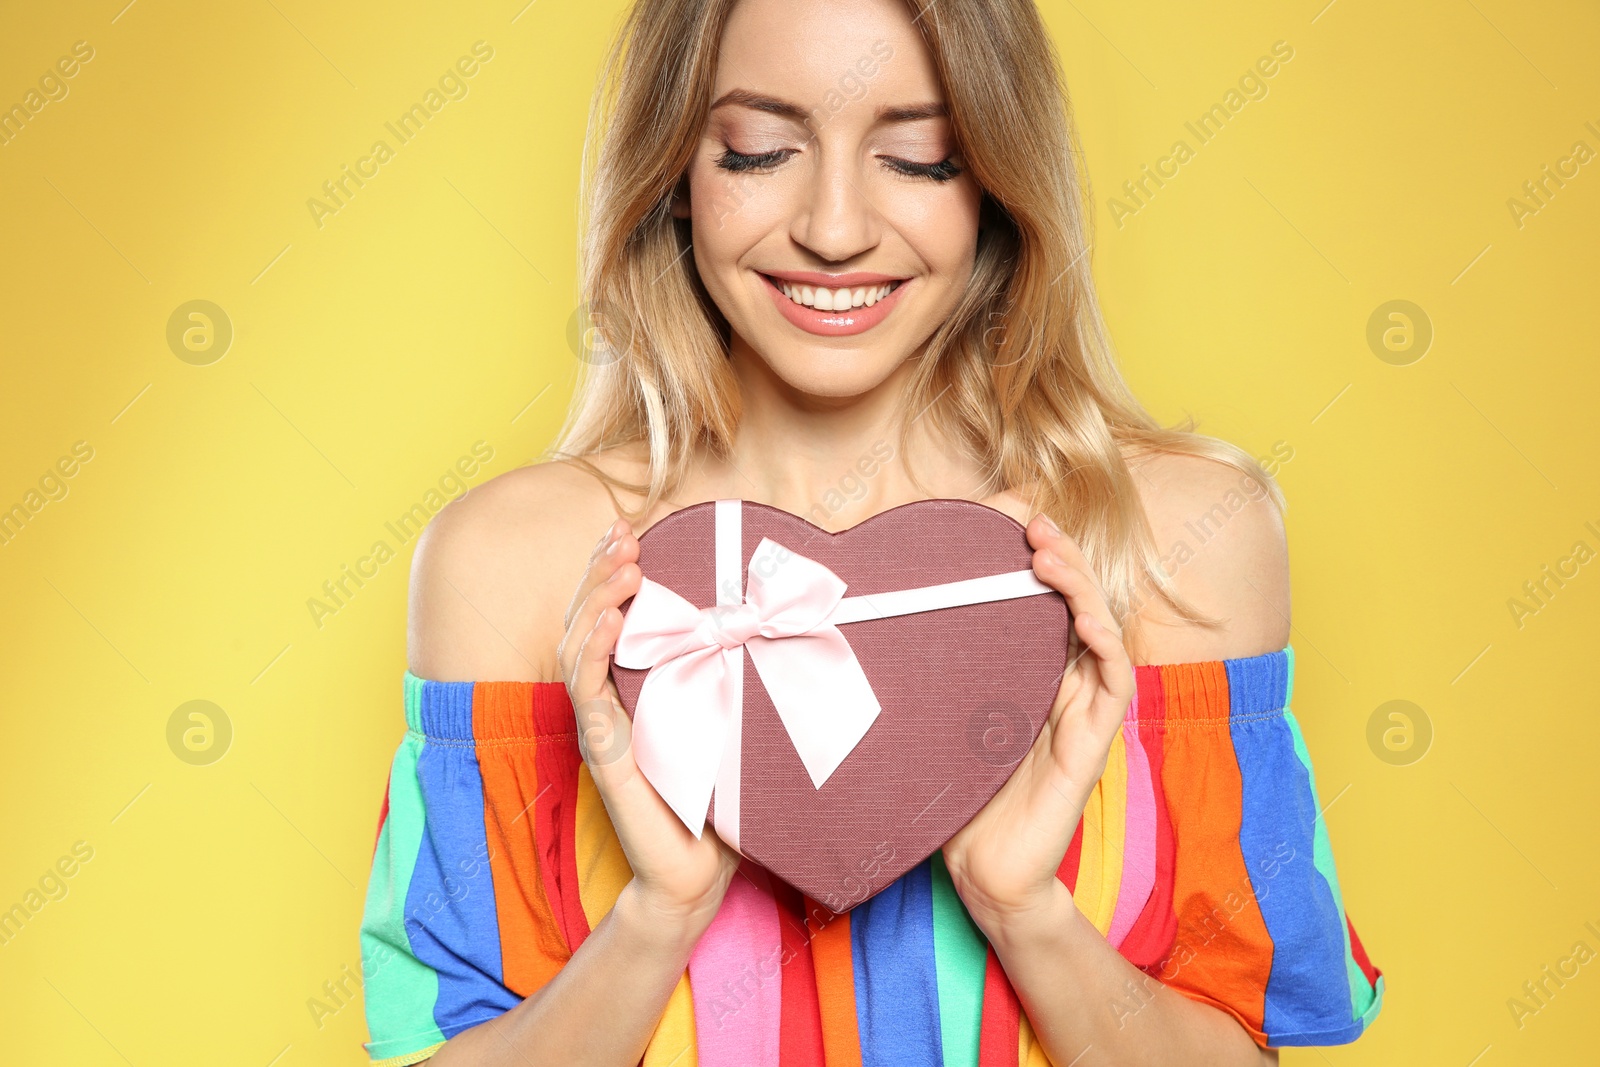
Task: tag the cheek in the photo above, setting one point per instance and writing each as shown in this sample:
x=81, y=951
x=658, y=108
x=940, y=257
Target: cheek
x=719, y=224
x=941, y=225
x=717, y=196
x=730, y=206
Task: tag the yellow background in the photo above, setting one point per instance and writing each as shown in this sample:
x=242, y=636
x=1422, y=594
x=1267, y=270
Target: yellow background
x=432, y=311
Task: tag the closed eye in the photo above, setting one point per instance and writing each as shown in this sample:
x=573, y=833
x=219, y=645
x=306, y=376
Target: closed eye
x=739, y=162
x=942, y=171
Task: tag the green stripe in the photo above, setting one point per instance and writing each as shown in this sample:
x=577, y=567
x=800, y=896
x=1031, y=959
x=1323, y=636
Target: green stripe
x=959, y=955
x=400, y=990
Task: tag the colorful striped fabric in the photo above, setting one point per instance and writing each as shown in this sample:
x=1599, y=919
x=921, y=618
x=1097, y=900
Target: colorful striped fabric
x=1202, y=856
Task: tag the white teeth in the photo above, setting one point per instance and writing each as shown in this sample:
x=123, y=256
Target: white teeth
x=835, y=299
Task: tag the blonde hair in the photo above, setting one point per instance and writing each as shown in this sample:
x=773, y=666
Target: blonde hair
x=1021, y=376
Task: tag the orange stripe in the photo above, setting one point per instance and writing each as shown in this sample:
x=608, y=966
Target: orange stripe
x=836, y=986
x=532, y=949
x=1222, y=955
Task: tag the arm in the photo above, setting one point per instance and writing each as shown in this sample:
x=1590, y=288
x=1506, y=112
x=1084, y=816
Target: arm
x=492, y=597
x=1086, y=1003
x=603, y=1006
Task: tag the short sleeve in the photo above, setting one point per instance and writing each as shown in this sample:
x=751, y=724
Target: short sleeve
x=470, y=907
x=1243, y=909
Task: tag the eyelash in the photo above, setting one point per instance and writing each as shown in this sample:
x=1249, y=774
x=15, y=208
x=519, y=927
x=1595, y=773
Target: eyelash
x=942, y=171
x=738, y=161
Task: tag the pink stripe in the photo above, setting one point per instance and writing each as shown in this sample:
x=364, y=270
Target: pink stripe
x=734, y=976
x=1139, y=844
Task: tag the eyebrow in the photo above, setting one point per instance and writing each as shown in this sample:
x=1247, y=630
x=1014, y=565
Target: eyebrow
x=773, y=106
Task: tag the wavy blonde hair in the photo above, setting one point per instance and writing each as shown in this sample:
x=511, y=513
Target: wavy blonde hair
x=1021, y=377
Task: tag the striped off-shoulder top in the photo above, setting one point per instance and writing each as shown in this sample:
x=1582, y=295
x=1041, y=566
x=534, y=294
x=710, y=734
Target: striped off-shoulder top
x=1202, y=857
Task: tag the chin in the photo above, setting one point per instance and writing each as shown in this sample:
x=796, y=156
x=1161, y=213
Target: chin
x=829, y=372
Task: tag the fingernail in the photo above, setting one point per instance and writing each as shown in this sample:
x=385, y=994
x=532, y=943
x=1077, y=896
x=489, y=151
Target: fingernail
x=612, y=547
x=613, y=576
x=1051, y=523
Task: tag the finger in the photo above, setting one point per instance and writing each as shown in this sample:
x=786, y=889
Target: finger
x=604, y=729
x=605, y=741
x=603, y=558
x=591, y=652
x=578, y=655
x=1076, y=584
x=613, y=579
x=608, y=595
x=611, y=549
x=1043, y=533
x=1106, y=644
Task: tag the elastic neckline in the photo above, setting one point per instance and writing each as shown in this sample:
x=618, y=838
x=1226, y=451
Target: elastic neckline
x=1141, y=666
x=1191, y=693
x=1214, y=692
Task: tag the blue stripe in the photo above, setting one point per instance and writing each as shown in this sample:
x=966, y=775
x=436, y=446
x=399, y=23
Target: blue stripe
x=1308, y=991
x=897, y=984
x=450, y=906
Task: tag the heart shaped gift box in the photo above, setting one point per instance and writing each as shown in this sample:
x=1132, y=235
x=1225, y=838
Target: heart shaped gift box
x=838, y=705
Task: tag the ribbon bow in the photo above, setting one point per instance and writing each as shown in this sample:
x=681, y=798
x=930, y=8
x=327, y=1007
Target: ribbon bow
x=687, y=719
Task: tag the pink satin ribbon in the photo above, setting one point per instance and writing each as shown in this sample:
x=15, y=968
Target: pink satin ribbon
x=692, y=701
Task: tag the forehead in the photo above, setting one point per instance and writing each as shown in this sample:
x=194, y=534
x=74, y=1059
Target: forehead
x=800, y=50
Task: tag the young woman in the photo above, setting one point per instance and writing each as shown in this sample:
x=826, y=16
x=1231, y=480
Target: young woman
x=837, y=256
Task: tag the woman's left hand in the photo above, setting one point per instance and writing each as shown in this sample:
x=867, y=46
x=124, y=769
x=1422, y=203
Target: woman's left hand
x=1003, y=863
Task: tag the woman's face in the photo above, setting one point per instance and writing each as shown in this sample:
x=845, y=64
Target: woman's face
x=834, y=223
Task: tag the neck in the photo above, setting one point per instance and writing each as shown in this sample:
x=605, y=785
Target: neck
x=833, y=460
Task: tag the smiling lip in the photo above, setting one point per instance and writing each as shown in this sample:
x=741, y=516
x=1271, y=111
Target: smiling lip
x=840, y=323
x=833, y=281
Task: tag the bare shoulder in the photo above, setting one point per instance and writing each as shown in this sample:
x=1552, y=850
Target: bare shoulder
x=496, y=570
x=1222, y=539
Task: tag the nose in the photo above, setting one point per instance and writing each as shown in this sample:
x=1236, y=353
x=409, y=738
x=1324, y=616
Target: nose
x=837, y=220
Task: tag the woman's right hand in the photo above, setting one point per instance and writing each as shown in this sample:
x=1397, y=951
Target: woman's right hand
x=678, y=877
